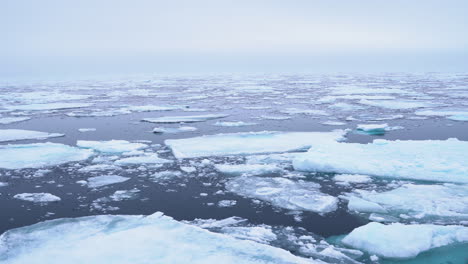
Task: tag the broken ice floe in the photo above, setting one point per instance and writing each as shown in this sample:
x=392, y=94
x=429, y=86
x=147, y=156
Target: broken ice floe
x=352, y=178
x=395, y=104
x=233, y=123
x=111, y=146
x=99, y=181
x=432, y=160
x=249, y=143
x=173, y=130
x=131, y=239
x=284, y=193
x=449, y=114
x=248, y=169
x=20, y=134
x=10, y=120
x=37, y=197
x=183, y=119
x=49, y=106
x=375, y=129
x=403, y=241
x=40, y=155
x=146, y=159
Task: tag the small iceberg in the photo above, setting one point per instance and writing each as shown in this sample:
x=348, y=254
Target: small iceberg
x=99, y=181
x=403, y=241
x=37, y=197
x=111, y=146
x=431, y=160
x=40, y=155
x=174, y=130
x=136, y=239
x=19, y=134
x=183, y=119
x=249, y=143
x=284, y=193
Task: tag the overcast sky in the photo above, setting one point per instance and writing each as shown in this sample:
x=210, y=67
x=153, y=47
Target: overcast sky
x=47, y=37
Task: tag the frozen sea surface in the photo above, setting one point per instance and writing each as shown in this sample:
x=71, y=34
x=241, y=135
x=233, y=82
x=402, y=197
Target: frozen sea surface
x=261, y=165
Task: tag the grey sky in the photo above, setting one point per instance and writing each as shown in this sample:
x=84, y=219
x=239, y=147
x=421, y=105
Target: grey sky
x=47, y=36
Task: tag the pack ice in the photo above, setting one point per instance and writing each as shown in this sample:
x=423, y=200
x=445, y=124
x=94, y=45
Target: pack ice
x=404, y=241
x=20, y=134
x=284, y=193
x=183, y=119
x=39, y=155
x=111, y=146
x=49, y=106
x=249, y=143
x=131, y=239
x=432, y=160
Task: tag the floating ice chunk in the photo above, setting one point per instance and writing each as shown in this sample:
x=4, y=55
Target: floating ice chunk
x=284, y=193
x=3, y=184
x=37, y=197
x=49, y=106
x=122, y=195
x=459, y=117
x=249, y=143
x=99, y=113
x=99, y=167
x=227, y=203
x=362, y=90
x=147, y=159
x=420, y=201
x=395, y=104
x=172, y=130
x=111, y=146
x=440, y=112
x=373, y=129
x=86, y=129
x=99, y=181
x=10, y=120
x=256, y=107
x=165, y=175
x=293, y=111
x=234, y=123
x=361, y=205
x=131, y=239
x=274, y=117
x=433, y=160
x=260, y=234
x=250, y=169
x=19, y=134
x=334, y=123
x=39, y=155
x=188, y=169
x=149, y=108
x=346, y=106
x=403, y=241
x=353, y=178
x=183, y=119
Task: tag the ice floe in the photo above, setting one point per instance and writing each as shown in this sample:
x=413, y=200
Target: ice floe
x=395, y=104
x=249, y=143
x=418, y=201
x=40, y=155
x=10, y=120
x=146, y=159
x=20, y=134
x=131, y=239
x=49, y=106
x=173, y=130
x=284, y=193
x=37, y=197
x=183, y=119
x=111, y=146
x=249, y=169
x=432, y=160
x=86, y=129
x=99, y=181
x=352, y=178
x=233, y=123
x=403, y=241
x=449, y=114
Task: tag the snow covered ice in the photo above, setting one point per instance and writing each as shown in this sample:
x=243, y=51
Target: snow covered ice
x=131, y=239
x=284, y=193
x=403, y=241
x=39, y=155
x=431, y=160
x=249, y=143
x=19, y=134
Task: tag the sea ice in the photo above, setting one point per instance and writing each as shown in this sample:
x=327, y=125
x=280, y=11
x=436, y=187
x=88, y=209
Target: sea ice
x=86, y=129
x=376, y=129
x=352, y=178
x=146, y=159
x=432, y=160
x=99, y=181
x=248, y=169
x=449, y=114
x=39, y=155
x=49, y=106
x=234, y=123
x=294, y=111
x=394, y=104
x=418, y=201
x=37, y=197
x=249, y=143
x=183, y=119
x=111, y=146
x=173, y=130
x=284, y=193
x=19, y=134
x=403, y=241
x=131, y=239
x=10, y=120
x=99, y=167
